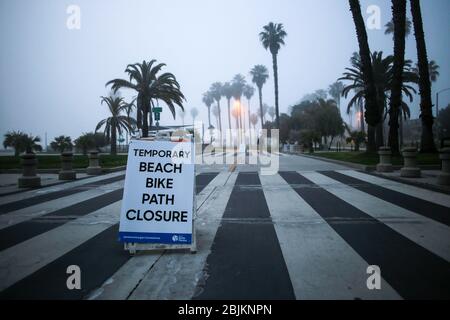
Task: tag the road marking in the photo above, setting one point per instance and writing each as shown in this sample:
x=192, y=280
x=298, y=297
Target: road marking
x=321, y=264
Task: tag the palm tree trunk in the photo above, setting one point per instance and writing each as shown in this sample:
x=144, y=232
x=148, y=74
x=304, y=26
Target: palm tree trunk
x=145, y=124
x=426, y=105
x=113, y=139
x=229, y=114
x=249, y=125
x=401, y=129
x=361, y=118
x=209, y=116
x=220, y=122
x=372, y=113
x=275, y=77
x=399, y=18
x=260, y=106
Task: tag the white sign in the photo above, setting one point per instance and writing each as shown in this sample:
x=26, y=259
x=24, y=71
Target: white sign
x=157, y=204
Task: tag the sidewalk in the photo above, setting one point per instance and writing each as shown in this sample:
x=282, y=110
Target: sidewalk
x=428, y=180
x=8, y=181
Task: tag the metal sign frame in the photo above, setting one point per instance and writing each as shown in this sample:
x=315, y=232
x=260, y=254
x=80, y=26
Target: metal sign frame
x=134, y=247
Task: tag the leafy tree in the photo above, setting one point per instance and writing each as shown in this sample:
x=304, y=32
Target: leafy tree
x=150, y=89
x=426, y=105
x=61, y=144
x=116, y=122
x=21, y=142
x=90, y=140
x=271, y=113
x=259, y=75
x=272, y=37
x=355, y=137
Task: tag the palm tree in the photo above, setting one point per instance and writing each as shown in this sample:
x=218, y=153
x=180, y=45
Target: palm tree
x=208, y=100
x=263, y=111
x=61, y=143
x=254, y=119
x=116, y=122
x=150, y=89
x=238, y=84
x=390, y=27
x=382, y=73
x=433, y=70
x=21, y=142
x=259, y=75
x=271, y=112
x=216, y=92
x=272, y=37
x=335, y=91
x=249, y=91
x=227, y=92
x=426, y=106
x=372, y=113
x=399, y=18
x=194, y=114
x=215, y=112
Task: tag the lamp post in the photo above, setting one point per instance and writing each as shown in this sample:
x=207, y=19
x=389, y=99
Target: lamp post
x=437, y=106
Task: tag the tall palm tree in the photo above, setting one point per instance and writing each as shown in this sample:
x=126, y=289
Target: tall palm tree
x=216, y=92
x=208, y=100
x=215, y=112
x=194, y=114
x=227, y=92
x=249, y=91
x=335, y=91
x=372, y=113
x=272, y=37
x=150, y=88
x=238, y=84
x=259, y=75
x=426, y=106
x=433, y=70
x=398, y=18
x=116, y=122
x=390, y=27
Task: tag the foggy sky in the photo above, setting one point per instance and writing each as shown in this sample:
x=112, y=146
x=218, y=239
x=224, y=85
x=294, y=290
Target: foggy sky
x=52, y=78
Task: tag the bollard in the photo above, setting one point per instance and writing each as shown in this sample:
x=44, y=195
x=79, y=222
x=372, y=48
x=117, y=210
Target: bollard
x=29, y=179
x=410, y=168
x=94, y=166
x=67, y=172
x=444, y=177
x=385, y=164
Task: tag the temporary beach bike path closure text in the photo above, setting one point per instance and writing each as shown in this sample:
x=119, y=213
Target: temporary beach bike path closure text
x=158, y=195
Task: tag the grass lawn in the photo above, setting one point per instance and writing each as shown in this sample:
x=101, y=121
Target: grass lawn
x=53, y=161
x=373, y=158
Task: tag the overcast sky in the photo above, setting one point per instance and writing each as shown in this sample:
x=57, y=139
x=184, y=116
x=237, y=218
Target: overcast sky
x=52, y=78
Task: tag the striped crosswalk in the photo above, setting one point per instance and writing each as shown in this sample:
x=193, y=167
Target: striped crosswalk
x=291, y=235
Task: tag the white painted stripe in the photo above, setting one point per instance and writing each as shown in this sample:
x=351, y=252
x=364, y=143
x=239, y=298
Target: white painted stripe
x=23, y=259
x=320, y=263
x=175, y=275
x=28, y=194
x=430, y=234
x=11, y=218
x=424, y=194
x=128, y=277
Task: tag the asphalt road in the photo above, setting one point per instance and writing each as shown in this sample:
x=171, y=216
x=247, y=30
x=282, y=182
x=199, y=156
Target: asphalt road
x=308, y=231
